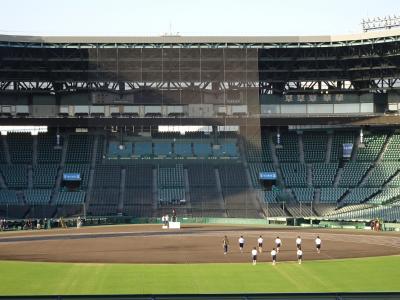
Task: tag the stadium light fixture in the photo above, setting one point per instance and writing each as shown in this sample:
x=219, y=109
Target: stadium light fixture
x=377, y=23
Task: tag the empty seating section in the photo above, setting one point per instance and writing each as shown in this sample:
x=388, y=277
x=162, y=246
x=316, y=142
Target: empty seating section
x=314, y=146
x=143, y=149
x=82, y=169
x=103, y=202
x=171, y=196
x=15, y=176
x=395, y=181
x=139, y=176
x=323, y=209
x=323, y=175
x=226, y=149
x=116, y=150
x=3, y=159
x=238, y=203
x=162, y=149
x=290, y=148
x=331, y=195
x=304, y=194
x=295, y=175
x=138, y=202
x=391, y=213
x=381, y=173
x=300, y=210
x=202, y=149
x=47, y=150
x=358, y=195
x=201, y=175
x=258, y=149
x=71, y=198
x=37, y=197
x=9, y=198
x=353, y=173
x=255, y=169
x=232, y=175
x=20, y=147
x=205, y=202
x=183, y=149
x=338, y=139
x=171, y=177
x=44, y=176
x=392, y=152
x=171, y=185
x=268, y=196
x=373, y=146
x=387, y=195
x=80, y=148
x=107, y=176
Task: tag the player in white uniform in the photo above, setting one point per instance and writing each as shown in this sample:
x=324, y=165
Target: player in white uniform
x=254, y=255
x=298, y=242
x=241, y=243
x=273, y=256
x=278, y=243
x=318, y=244
x=299, y=256
x=260, y=242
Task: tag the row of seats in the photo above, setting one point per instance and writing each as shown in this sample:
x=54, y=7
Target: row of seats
x=168, y=149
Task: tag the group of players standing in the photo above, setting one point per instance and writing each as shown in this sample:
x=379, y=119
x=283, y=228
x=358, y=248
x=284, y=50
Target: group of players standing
x=274, y=251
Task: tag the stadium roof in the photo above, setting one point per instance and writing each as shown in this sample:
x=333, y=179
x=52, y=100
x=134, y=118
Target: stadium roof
x=349, y=39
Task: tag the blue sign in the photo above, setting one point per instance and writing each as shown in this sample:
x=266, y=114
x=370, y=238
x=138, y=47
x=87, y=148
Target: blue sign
x=72, y=176
x=267, y=175
x=347, y=149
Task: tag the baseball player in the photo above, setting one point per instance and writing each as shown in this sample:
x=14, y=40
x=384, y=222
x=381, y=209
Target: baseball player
x=298, y=242
x=254, y=255
x=299, y=255
x=241, y=243
x=318, y=244
x=225, y=244
x=278, y=243
x=273, y=256
x=260, y=242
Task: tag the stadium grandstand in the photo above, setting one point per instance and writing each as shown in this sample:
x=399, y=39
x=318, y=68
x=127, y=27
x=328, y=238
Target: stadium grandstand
x=236, y=127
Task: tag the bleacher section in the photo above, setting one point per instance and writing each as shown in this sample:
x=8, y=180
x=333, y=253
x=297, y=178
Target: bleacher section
x=295, y=175
x=195, y=172
x=258, y=149
x=47, y=150
x=392, y=150
x=44, y=176
x=103, y=202
x=382, y=173
x=290, y=148
x=15, y=176
x=305, y=195
x=80, y=148
x=20, y=146
x=332, y=195
x=106, y=176
x=315, y=145
x=353, y=174
x=138, y=202
x=323, y=175
x=358, y=195
x=373, y=146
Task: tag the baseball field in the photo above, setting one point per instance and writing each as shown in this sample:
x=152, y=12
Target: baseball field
x=146, y=260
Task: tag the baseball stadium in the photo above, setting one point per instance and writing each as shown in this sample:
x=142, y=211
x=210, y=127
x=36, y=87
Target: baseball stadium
x=131, y=166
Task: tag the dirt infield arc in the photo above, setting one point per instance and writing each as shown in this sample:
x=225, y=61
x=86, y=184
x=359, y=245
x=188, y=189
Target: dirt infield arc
x=191, y=244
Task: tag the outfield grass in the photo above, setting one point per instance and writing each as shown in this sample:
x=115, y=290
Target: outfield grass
x=346, y=275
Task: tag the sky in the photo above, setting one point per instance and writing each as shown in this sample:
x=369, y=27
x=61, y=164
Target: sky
x=187, y=17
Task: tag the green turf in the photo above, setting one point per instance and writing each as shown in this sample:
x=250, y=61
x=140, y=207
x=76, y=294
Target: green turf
x=367, y=274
